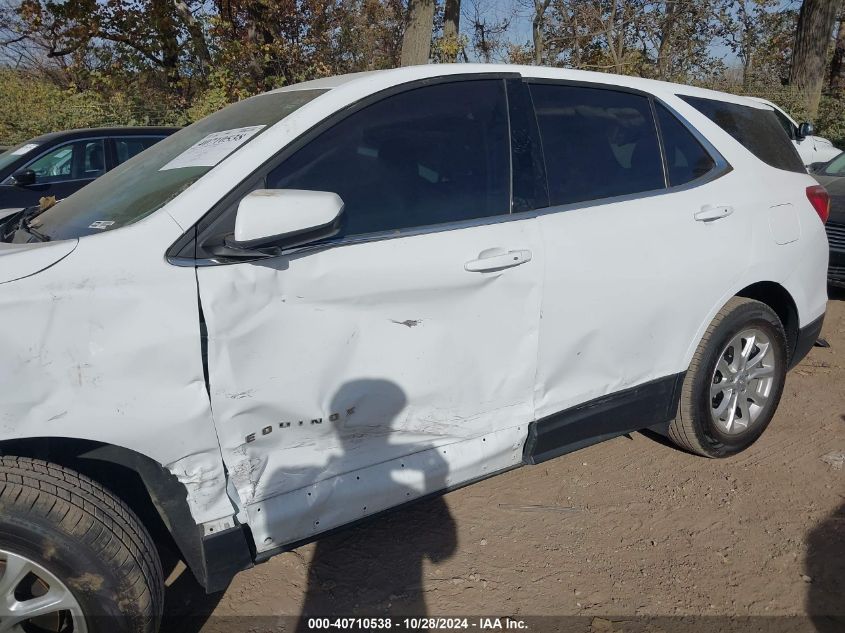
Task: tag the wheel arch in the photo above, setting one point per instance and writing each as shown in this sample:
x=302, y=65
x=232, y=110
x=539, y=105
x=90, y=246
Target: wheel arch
x=774, y=295
x=781, y=301
x=156, y=496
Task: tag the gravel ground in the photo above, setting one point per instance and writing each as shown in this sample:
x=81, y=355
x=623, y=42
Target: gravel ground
x=629, y=527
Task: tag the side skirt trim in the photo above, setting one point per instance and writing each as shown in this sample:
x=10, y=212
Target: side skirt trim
x=648, y=405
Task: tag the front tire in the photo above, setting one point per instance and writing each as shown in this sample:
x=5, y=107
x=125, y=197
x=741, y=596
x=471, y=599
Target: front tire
x=734, y=382
x=73, y=557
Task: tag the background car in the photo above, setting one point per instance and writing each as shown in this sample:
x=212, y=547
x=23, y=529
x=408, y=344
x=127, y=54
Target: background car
x=811, y=148
x=60, y=163
x=832, y=175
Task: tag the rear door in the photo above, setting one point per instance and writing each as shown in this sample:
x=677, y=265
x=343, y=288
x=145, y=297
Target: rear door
x=637, y=254
x=399, y=358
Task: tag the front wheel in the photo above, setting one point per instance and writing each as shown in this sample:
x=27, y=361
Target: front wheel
x=734, y=382
x=73, y=557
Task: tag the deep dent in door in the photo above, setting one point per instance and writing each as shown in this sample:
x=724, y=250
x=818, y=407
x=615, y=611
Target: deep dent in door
x=322, y=419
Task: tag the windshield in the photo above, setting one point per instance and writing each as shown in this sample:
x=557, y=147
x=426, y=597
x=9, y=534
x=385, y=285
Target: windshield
x=14, y=154
x=149, y=180
x=836, y=167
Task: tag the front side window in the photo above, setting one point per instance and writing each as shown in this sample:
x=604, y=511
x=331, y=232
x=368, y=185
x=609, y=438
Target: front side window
x=427, y=156
x=757, y=129
x=72, y=161
x=127, y=147
x=686, y=159
x=597, y=143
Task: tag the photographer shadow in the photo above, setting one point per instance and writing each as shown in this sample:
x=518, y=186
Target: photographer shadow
x=376, y=568
x=825, y=565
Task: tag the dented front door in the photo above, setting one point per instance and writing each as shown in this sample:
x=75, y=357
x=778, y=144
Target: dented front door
x=323, y=364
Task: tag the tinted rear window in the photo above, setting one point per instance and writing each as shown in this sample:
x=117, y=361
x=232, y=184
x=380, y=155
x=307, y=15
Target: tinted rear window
x=597, y=143
x=758, y=130
x=686, y=159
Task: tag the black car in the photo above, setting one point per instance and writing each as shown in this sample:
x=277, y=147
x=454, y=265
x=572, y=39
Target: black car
x=60, y=163
x=832, y=175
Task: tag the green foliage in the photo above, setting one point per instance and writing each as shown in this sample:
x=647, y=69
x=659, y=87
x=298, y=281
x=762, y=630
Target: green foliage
x=34, y=105
x=171, y=62
x=208, y=102
x=830, y=121
x=447, y=48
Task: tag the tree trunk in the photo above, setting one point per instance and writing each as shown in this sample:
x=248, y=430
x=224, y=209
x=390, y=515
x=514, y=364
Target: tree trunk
x=540, y=7
x=197, y=36
x=837, y=65
x=165, y=26
x=746, y=70
x=416, y=43
x=809, y=59
x=664, y=51
x=452, y=26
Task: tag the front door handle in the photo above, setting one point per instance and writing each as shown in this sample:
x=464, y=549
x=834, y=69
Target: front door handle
x=710, y=212
x=497, y=259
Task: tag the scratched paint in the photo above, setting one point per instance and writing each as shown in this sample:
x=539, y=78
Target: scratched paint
x=365, y=363
x=375, y=362
x=106, y=347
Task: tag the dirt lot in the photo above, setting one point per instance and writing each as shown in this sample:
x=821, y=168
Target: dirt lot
x=630, y=527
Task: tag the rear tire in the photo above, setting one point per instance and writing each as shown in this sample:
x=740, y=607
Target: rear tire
x=734, y=382
x=79, y=542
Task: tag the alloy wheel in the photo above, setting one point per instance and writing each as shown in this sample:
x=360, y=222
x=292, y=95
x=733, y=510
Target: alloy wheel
x=742, y=382
x=33, y=600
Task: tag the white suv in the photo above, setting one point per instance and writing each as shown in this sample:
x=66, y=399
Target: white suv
x=812, y=149
x=345, y=295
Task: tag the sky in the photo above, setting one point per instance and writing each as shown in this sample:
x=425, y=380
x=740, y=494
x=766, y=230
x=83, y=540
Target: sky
x=521, y=12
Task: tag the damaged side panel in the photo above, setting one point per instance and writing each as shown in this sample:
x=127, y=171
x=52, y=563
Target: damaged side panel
x=332, y=502
x=386, y=358
x=105, y=346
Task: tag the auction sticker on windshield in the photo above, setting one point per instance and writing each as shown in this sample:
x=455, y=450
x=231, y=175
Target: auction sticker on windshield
x=213, y=148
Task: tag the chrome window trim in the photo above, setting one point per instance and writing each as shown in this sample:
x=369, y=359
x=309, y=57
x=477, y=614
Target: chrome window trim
x=715, y=154
x=309, y=135
x=721, y=168
x=54, y=148
x=710, y=176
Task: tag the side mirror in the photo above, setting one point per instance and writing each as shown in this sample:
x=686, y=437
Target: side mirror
x=815, y=168
x=805, y=129
x=24, y=177
x=285, y=218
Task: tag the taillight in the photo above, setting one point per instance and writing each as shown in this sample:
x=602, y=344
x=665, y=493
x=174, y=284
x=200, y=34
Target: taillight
x=820, y=199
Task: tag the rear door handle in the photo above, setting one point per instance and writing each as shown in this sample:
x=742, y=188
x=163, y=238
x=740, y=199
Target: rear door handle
x=497, y=259
x=710, y=212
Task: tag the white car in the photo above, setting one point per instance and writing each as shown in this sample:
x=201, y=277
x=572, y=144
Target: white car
x=348, y=294
x=811, y=148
